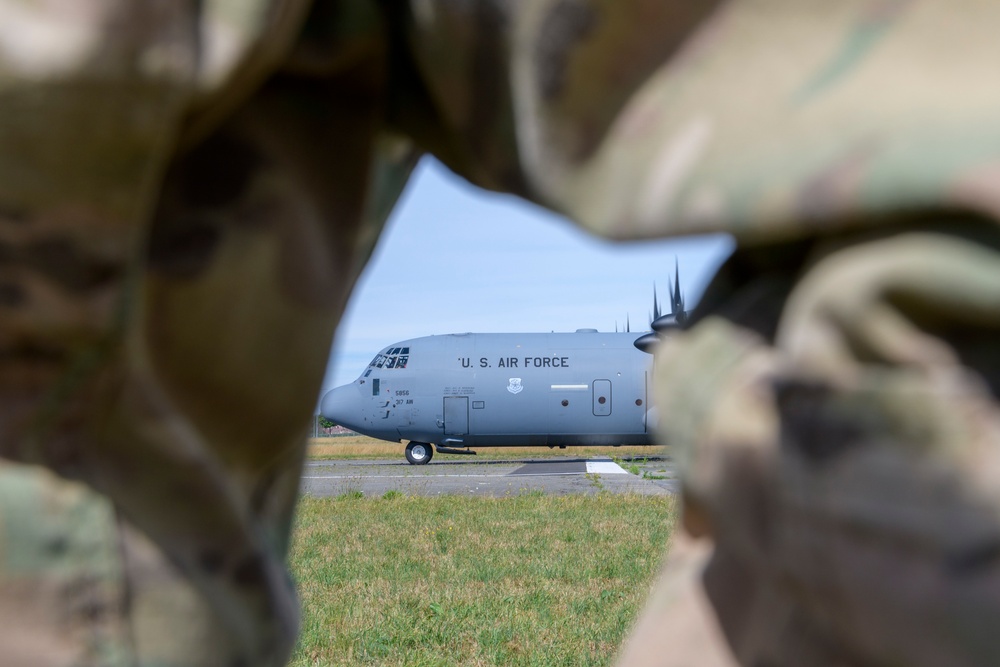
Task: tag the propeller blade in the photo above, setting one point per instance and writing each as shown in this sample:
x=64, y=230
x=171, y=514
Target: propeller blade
x=676, y=297
x=660, y=322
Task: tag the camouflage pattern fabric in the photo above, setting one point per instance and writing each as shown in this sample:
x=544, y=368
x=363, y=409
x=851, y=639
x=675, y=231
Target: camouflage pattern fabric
x=170, y=247
x=767, y=119
x=840, y=468
x=189, y=190
x=61, y=589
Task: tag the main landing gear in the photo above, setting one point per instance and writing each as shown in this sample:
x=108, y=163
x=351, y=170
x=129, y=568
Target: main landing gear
x=419, y=453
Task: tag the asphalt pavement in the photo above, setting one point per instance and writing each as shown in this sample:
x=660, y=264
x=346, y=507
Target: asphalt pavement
x=484, y=477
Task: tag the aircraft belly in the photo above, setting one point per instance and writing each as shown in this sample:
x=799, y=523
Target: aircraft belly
x=558, y=440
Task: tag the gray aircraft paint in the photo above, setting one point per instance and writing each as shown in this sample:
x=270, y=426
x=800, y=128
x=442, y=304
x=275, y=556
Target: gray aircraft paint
x=494, y=390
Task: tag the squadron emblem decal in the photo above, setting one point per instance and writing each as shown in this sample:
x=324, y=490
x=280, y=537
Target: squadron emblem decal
x=515, y=386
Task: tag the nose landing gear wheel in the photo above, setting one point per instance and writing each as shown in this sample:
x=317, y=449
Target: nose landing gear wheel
x=419, y=453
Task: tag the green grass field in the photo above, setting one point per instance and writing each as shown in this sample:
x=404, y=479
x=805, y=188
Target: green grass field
x=522, y=580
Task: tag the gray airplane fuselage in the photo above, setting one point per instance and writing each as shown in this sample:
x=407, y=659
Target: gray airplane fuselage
x=474, y=390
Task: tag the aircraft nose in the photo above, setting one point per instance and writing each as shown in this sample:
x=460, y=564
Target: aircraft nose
x=342, y=406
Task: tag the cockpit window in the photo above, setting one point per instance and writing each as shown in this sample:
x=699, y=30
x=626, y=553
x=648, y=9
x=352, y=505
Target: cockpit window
x=394, y=357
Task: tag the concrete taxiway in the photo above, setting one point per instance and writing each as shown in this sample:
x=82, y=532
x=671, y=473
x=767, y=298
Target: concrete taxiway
x=483, y=477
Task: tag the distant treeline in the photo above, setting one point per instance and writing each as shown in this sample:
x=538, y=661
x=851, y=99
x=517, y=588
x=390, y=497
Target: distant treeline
x=324, y=428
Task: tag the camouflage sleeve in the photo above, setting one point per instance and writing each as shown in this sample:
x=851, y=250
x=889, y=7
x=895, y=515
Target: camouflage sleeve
x=184, y=205
x=839, y=473
x=659, y=117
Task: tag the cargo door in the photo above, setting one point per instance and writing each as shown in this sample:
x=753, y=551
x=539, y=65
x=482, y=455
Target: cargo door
x=456, y=415
x=602, y=398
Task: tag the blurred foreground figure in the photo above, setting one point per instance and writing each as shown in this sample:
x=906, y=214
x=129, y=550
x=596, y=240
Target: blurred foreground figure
x=189, y=189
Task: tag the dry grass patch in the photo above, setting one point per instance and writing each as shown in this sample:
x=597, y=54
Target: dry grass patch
x=363, y=447
x=523, y=580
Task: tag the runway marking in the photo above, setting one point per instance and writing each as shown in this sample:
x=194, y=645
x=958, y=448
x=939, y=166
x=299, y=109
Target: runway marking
x=569, y=468
x=605, y=468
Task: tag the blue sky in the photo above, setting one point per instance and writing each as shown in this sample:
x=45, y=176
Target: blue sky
x=455, y=258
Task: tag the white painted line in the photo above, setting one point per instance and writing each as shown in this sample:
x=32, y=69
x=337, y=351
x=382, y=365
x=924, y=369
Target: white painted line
x=605, y=468
x=570, y=387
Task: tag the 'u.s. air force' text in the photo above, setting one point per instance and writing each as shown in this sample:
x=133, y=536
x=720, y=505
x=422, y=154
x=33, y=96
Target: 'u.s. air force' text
x=519, y=362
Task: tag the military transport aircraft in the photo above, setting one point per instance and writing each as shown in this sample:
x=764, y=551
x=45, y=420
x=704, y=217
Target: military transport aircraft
x=459, y=391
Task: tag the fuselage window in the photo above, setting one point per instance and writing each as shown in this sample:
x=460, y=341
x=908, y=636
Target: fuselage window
x=375, y=387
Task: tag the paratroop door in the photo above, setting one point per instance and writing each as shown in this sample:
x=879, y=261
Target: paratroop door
x=456, y=415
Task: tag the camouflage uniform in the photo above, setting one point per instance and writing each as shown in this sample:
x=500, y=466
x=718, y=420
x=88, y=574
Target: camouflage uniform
x=188, y=190
x=170, y=245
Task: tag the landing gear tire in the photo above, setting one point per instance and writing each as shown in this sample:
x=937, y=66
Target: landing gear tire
x=419, y=453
